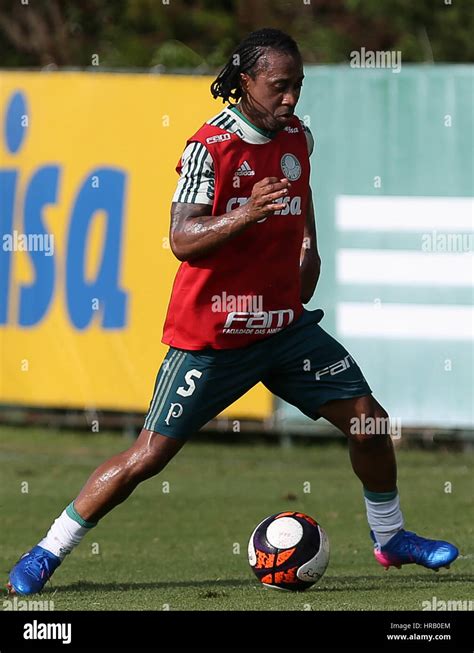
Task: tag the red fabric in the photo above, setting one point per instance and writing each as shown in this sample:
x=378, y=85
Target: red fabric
x=249, y=287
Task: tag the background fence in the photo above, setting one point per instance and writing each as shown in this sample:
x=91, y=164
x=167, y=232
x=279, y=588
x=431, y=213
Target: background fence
x=393, y=179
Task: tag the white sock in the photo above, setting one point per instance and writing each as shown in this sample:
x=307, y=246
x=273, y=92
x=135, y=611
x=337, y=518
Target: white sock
x=384, y=516
x=66, y=532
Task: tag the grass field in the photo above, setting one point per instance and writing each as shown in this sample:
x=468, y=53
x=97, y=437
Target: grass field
x=178, y=550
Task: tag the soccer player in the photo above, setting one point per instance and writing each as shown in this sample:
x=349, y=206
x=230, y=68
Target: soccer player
x=243, y=226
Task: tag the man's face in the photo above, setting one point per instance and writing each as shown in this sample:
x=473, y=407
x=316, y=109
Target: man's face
x=270, y=97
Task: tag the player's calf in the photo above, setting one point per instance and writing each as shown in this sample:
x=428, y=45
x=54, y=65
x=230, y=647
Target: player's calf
x=114, y=481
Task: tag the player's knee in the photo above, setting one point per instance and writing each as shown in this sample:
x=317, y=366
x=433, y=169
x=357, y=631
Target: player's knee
x=149, y=465
x=370, y=427
x=151, y=454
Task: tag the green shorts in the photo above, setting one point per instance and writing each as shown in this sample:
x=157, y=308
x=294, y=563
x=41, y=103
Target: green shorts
x=302, y=364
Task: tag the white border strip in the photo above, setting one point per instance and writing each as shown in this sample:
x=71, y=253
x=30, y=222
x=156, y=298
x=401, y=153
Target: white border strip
x=397, y=267
x=397, y=213
x=405, y=321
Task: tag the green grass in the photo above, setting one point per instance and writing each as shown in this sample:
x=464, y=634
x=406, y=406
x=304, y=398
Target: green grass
x=175, y=550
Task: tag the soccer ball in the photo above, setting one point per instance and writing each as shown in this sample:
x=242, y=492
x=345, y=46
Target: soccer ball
x=289, y=551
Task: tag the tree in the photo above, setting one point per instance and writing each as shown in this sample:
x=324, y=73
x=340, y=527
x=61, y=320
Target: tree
x=195, y=34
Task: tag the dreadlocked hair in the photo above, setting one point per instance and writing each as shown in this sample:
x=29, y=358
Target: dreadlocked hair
x=245, y=57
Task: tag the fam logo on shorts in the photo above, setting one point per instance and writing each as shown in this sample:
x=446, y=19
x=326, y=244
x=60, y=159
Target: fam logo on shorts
x=291, y=167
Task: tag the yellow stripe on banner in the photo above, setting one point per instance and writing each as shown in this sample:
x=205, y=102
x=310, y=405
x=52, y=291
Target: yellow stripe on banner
x=89, y=160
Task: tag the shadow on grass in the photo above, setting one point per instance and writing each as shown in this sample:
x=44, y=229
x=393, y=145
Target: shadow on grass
x=391, y=580
x=343, y=584
x=216, y=585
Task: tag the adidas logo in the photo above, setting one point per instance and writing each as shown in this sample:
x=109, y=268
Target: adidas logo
x=244, y=170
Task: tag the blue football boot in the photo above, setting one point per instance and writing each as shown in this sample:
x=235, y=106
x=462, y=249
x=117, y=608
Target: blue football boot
x=32, y=571
x=406, y=548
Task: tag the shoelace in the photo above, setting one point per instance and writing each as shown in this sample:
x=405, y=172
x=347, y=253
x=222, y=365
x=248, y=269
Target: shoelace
x=411, y=539
x=40, y=561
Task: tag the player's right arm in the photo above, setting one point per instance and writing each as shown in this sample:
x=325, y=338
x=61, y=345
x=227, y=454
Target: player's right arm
x=195, y=233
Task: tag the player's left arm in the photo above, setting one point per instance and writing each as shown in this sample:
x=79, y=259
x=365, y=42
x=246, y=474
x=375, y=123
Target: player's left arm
x=310, y=262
